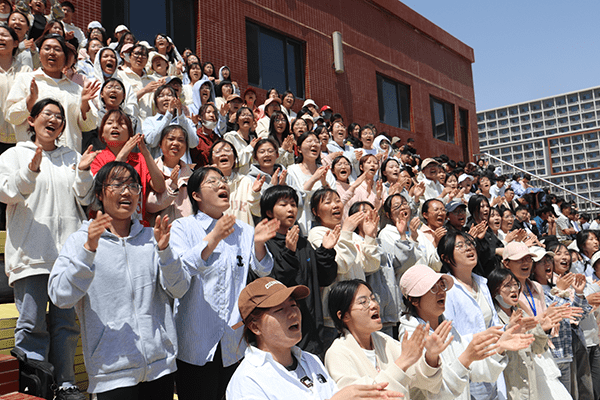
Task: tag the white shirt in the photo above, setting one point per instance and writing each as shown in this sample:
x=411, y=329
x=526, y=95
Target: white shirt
x=259, y=376
x=205, y=314
x=153, y=127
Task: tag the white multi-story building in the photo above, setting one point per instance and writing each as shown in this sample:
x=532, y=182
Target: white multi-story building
x=556, y=138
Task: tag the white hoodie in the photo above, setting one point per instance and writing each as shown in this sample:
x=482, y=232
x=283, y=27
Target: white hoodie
x=44, y=207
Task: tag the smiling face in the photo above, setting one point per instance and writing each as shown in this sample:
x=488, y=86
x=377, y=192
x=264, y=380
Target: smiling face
x=52, y=57
x=338, y=132
x=47, y=125
x=562, y=260
x=342, y=170
x=361, y=321
x=19, y=24
x=452, y=182
x=138, y=59
x=161, y=45
x=163, y=99
x=485, y=184
x=435, y=215
x=329, y=210
x=113, y=95
x=288, y=101
x=279, y=328
x=542, y=270
x=310, y=148
x=507, y=221
x=520, y=268
x=285, y=211
x=431, y=171
x=57, y=29
x=279, y=123
x=223, y=158
x=495, y=220
x=205, y=92
x=37, y=6
x=173, y=145
x=7, y=43
x=266, y=155
x=120, y=204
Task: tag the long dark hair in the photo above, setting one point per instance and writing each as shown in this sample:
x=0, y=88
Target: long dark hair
x=445, y=248
x=340, y=300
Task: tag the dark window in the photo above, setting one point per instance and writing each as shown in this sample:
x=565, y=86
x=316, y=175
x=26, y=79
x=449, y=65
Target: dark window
x=175, y=18
x=442, y=119
x=274, y=60
x=394, y=103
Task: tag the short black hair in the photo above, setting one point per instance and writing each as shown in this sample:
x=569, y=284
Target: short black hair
x=111, y=170
x=39, y=107
x=496, y=278
x=220, y=141
x=170, y=129
x=317, y=198
x=68, y=4
x=521, y=208
x=196, y=179
x=272, y=195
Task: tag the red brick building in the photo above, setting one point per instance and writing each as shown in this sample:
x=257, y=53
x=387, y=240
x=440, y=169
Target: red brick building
x=402, y=72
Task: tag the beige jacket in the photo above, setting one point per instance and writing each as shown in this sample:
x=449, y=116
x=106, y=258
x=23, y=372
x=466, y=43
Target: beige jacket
x=7, y=78
x=347, y=364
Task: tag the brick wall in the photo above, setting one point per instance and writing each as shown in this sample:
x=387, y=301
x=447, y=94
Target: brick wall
x=382, y=36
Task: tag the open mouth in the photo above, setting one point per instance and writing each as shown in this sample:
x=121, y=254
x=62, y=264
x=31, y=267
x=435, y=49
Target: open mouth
x=295, y=327
x=442, y=301
x=223, y=195
x=514, y=297
x=375, y=316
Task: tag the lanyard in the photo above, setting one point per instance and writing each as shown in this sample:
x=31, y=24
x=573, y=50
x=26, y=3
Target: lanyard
x=532, y=302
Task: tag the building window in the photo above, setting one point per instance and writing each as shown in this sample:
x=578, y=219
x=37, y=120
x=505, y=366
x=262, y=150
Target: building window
x=274, y=60
x=394, y=103
x=176, y=18
x=442, y=118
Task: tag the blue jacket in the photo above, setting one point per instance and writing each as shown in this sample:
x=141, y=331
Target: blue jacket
x=122, y=295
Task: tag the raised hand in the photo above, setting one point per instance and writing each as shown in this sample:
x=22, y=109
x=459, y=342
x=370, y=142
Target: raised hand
x=175, y=175
x=439, y=233
x=282, y=177
x=370, y=223
x=34, y=165
x=412, y=349
x=481, y=346
x=437, y=342
x=129, y=146
x=331, y=237
x=415, y=223
x=564, y=282
x=275, y=177
x=579, y=283
x=258, y=183
x=87, y=157
x=162, y=232
x=254, y=141
x=512, y=341
x=375, y=391
x=32, y=97
x=288, y=143
x=353, y=221
x=90, y=91
x=224, y=227
x=265, y=230
x=96, y=229
x=291, y=238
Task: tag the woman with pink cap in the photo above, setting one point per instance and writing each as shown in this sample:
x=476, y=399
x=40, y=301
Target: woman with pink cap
x=274, y=367
x=465, y=359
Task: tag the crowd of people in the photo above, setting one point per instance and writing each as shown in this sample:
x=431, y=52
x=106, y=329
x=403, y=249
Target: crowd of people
x=219, y=245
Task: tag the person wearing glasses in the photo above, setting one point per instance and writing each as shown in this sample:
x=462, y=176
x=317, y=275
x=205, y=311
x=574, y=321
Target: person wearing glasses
x=363, y=355
x=121, y=277
x=117, y=132
x=219, y=251
x=469, y=304
x=143, y=84
x=465, y=359
x=44, y=186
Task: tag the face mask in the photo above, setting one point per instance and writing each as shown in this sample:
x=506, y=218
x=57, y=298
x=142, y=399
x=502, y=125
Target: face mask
x=209, y=124
x=501, y=301
x=578, y=267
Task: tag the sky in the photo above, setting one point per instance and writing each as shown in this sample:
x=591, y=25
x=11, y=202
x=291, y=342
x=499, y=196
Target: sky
x=524, y=50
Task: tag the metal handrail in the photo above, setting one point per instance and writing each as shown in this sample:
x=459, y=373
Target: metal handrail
x=539, y=178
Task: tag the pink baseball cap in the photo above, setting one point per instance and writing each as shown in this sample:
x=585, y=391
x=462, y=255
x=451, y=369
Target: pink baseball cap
x=419, y=279
x=516, y=251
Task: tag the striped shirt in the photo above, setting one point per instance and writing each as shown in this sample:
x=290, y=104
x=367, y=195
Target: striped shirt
x=205, y=314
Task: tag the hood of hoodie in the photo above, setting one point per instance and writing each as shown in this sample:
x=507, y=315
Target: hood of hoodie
x=255, y=170
x=377, y=144
x=196, y=102
x=221, y=78
x=57, y=154
x=98, y=73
